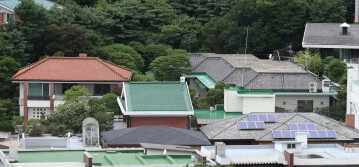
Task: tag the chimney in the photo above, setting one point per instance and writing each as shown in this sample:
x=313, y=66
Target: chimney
x=182, y=79
x=82, y=55
x=344, y=27
x=220, y=148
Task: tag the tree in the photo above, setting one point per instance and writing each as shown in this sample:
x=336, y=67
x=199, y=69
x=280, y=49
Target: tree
x=110, y=102
x=159, y=14
x=335, y=70
x=315, y=65
x=171, y=34
x=8, y=68
x=76, y=93
x=125, y=55
x=152, y=51
x=69, y=38
x=170, y=68
x=213, y=33
x=213, y=96
x=321, y=11
x=328, y=60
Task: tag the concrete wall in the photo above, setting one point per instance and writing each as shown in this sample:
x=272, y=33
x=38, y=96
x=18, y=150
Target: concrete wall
x=290, y=102
x=248, y=103
x=177, y=122
x=353, y=98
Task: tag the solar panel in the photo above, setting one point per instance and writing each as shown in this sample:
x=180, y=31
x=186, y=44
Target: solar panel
x=253, y=117
x=293, y=126
x=286, y=134
x=292, y=133
x=322, y=134
x=251, y=125
x=277, y=134
x=260, y=125
x=263, y=118
x=302, y=127
x=313, y=134
x=311, y=127
x=271, y=118
x=242, y=125
x=331, y=134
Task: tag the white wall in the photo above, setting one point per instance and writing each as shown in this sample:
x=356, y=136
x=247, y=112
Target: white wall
x=248, y=103
x=258, y=104
x=353, y=95
x=232, y=102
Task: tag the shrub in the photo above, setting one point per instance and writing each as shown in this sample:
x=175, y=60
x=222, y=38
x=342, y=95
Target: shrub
x=6, y=126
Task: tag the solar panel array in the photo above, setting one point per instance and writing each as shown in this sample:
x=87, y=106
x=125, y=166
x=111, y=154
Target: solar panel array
x=302, y=126
x=263, y=117
x=251, y=125
x=311, y=133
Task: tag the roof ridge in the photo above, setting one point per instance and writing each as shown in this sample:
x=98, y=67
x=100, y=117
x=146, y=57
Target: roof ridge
x=181, y=131
x=103, y=62
x=29, y=67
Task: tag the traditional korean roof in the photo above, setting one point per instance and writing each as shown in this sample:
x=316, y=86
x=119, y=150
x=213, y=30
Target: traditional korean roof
x=329, y=35
x=252, y=73
x=156, y=135
x=73, y=69
x=165, y=97
x=228, y=129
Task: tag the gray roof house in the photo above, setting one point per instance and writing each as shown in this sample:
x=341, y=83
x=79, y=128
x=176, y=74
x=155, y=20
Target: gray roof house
x=132, y=137
x=289, y=82
x=228, y=130
x=333, y=39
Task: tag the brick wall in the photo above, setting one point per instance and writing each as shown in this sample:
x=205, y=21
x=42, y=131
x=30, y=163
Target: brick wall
x=289, y=157
x=52, y=92
x=350, y=121
x=177, y=122
x=25, y=103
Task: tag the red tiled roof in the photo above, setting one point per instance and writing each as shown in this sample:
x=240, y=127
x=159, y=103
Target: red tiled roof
x=73, y=69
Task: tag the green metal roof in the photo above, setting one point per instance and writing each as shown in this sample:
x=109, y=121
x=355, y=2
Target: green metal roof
x=157, y=96
x=13, y=3
x=241, y=90
x=219, y=113
x=205, y=79
x=102, y=158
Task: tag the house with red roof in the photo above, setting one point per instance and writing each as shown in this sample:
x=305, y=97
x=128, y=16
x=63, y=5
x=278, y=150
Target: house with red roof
x=43, y=83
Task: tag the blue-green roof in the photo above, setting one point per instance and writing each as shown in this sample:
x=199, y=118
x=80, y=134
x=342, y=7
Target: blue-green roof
x=219, y=113
x=205, y=79
x=157, y=96
x=13, y=3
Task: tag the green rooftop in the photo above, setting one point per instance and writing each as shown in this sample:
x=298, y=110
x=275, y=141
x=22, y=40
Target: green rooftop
x=205, y=80
x=218, y=113
x=157, y=96
x=241, y=90
x=102, y=158
x=13, y=3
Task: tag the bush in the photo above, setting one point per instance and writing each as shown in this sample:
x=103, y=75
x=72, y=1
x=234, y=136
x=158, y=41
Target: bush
x=6, y=126
x=36, y=129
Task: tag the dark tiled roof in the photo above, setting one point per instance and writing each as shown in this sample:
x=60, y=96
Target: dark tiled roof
x=251, y=72
x=73, y=69
x=156, y=135
x=228, y=129
x=330, y=34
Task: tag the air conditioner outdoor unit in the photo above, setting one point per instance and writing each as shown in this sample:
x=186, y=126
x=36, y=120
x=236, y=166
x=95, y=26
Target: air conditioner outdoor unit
x=312, y=87
x=326, y=86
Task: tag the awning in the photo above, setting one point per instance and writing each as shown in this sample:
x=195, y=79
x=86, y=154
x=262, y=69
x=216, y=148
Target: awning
x=205, y=79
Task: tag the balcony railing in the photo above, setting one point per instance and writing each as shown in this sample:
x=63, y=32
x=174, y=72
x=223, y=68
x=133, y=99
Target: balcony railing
x=38, y=97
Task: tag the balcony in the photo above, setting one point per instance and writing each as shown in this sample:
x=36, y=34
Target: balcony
x=38, y=97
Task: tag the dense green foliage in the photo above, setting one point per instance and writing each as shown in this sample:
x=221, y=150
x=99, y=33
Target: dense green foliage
x=213, y=96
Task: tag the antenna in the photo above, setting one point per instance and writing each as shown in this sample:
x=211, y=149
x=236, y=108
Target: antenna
x=245, y=49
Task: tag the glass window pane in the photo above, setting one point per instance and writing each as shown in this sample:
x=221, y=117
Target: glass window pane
x=106, y=89
x=98, y=89
x=34, y=89
x=45, y=89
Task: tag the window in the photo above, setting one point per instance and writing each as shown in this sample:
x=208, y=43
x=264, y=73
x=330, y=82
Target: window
x=305, y=105
x=291, y=146
x=66, y=86
x=38, y=91
x=101, y=89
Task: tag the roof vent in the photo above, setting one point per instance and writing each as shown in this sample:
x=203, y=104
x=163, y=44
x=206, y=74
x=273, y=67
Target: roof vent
x=82, y=55
x=345, y=27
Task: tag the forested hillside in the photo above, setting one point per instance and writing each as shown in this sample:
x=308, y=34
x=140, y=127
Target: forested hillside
x=155, y=35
